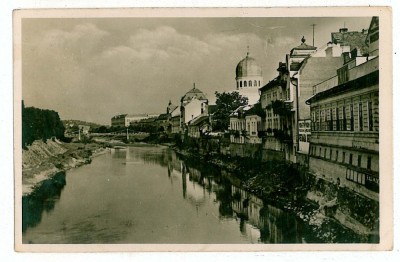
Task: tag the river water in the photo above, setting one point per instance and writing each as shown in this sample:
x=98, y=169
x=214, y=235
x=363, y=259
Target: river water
x=147, y=194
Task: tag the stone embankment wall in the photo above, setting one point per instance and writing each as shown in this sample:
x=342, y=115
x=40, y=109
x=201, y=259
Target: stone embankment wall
x=338, y=202
x=355, y=211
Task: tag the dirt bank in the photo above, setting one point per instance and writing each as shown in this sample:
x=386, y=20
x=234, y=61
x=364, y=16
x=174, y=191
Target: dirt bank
x=42, y=160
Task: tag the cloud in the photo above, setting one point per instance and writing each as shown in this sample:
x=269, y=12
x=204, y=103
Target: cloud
x=83, y=71
x=81, y=40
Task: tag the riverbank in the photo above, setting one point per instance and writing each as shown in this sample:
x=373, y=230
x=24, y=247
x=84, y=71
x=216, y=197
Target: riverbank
x=317, y=203
x=42, y=160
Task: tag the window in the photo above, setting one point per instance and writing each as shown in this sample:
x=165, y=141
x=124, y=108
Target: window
x=240, y=83
x=237, y=85
x=359, y=161
x=337, y=119
x=330, y=120
x=337, y=155
x=255, y=83
x=320, y=121
x=245, y=83
x=330, y=154
x=370, y=117
x=250, y=83
x=259, y=83
x=351, y=159
x=319, y=151
x=351, y=118
x=360, y=117
x=369, y=160
x=325, y=153
x=343, y=157
x=344, y=127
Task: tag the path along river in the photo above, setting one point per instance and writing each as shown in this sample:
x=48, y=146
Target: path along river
x=147, y=194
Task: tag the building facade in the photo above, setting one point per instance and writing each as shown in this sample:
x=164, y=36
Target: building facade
x=245, y=124
x=345, y=124
x=193, y=104
x=274, y=100
x=118, y=120
x=308, y=66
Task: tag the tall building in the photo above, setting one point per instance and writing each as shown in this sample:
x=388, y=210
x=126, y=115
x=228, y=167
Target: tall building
x=345, y=122
x=249, y=78
x=307, y=66
x=274, y=99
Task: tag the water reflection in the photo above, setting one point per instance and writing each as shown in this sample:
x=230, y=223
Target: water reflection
x=265, y=223
x=43, y=199
x=151, y=195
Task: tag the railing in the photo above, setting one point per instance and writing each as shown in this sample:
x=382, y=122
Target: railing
x=325, y=85
x=355, y=72
x=364, y=68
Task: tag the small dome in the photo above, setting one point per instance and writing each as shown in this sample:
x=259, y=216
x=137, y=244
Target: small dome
x=248, y=67
x=194, y=93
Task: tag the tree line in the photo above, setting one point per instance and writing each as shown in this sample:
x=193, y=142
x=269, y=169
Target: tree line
x=40, y=124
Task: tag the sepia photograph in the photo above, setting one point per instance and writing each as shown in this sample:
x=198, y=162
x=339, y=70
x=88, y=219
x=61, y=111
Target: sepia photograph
x=224, y=129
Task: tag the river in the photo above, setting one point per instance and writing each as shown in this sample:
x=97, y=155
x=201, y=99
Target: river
x=147, y=194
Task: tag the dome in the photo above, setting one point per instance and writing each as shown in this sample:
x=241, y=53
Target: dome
x=194, y=93
x=248, y=67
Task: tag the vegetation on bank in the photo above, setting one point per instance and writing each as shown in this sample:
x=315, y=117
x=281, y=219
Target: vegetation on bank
x=40, y=124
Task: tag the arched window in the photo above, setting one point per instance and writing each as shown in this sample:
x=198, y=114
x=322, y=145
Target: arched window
x=259, y=83
x=255, y=83
x=250, y=83
x=240, y=83
x=245, y=83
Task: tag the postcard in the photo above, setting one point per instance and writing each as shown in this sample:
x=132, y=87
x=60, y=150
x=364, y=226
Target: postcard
x=203, y=129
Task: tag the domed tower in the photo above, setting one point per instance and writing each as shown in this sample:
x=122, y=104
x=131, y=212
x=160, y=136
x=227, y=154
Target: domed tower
x=248, y=73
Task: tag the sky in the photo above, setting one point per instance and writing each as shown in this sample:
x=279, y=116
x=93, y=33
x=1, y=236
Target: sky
x=94, y=68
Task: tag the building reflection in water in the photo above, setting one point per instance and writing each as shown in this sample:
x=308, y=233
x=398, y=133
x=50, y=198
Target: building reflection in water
x=257, y=221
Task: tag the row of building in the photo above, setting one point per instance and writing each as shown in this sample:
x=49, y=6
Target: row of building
x=321, y=110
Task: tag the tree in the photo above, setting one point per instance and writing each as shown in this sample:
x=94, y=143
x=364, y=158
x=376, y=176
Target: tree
x=226, y=103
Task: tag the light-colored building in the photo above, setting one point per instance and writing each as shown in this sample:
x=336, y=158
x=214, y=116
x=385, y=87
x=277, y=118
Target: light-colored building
x=345, y=123
x=125, y=120
x=193, y=104
x=134, y=118
x=245, y=123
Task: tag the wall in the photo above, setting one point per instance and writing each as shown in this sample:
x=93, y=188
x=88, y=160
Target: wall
x=331, y=171
x=351, y=209
x=192, y=110
x=244, y=150
x=314, y=71
x=268, y=155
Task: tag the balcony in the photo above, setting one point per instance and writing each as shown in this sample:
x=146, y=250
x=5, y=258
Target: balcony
x=360, y=68
x=282, y=108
